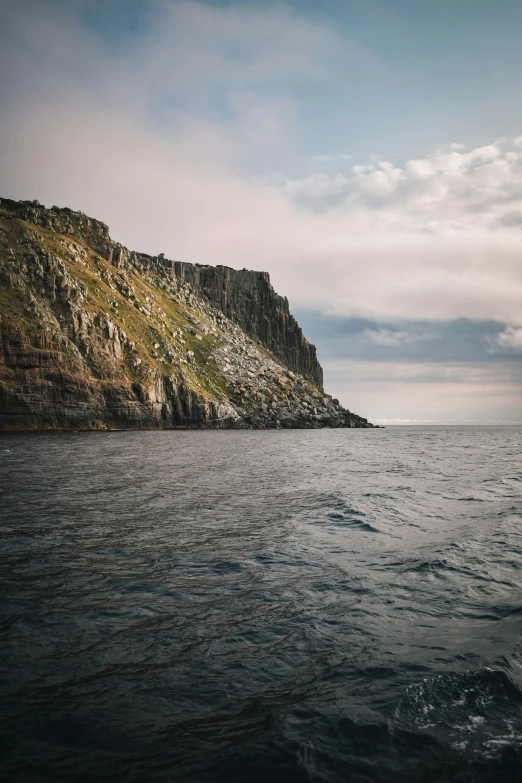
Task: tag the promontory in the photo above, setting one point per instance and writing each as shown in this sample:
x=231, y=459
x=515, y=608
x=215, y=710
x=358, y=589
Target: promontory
x=94, y=336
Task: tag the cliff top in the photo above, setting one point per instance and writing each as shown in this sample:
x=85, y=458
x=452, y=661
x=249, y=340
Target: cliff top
x=75, y=221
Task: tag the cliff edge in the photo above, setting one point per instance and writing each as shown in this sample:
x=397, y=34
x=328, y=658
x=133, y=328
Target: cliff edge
x=94, y=335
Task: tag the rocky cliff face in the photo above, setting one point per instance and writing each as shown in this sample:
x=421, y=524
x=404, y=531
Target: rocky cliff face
x=94, y=336
x=248, y=299
x=245, y=297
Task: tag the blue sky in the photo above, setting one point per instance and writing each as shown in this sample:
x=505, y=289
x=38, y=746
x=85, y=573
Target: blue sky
x=434, y=71
x=367, y=154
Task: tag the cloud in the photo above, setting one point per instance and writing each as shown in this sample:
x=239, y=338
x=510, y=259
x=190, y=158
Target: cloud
x=182, y=143
x=396, y=337
x=240, y=47
x=509, y=340
x=447, y=191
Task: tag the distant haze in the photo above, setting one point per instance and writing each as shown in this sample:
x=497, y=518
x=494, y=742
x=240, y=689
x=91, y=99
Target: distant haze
x=367, y=155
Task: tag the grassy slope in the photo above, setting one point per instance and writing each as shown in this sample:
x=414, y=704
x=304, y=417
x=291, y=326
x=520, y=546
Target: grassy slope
x=103, y=283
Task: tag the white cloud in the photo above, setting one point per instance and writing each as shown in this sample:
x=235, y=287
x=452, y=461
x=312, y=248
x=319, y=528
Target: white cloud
x=452, y=190
x=510, y=339
x=396, y=337
x=419, y=168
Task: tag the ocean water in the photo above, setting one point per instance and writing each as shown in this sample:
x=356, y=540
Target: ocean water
x=331, y=605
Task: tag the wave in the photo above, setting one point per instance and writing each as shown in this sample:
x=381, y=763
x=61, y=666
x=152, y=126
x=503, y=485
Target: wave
x=345, y=520
x=335, y=512
x=472, y=711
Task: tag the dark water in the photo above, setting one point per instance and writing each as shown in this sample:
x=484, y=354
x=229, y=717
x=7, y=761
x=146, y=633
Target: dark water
x=265, y=606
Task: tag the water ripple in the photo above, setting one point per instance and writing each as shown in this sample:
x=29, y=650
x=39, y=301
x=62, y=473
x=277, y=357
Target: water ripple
x=298, y=606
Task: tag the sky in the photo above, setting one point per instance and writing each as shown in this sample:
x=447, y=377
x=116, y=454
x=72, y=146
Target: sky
x=368, y=155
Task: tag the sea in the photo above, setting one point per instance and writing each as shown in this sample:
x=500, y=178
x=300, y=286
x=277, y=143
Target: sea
x=293, y=605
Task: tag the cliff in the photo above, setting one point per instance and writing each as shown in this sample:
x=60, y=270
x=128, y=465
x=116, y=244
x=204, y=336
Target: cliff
x=94, y=335
x=245, y=297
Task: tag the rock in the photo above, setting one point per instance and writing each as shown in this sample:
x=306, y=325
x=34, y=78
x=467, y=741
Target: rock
x=67, y=361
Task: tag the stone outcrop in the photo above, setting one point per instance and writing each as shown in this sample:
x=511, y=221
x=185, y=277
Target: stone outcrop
x=95, y=336
x=62, y=220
